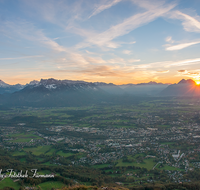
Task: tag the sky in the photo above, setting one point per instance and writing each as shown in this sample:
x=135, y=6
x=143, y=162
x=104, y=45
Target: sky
x=112, y=41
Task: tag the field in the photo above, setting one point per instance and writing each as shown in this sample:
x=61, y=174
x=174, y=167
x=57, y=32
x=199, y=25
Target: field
x=147, y=163
x=166, y=167
x=19, y=153
x=7, y=182
x=100, y=166
x=49, y=185
x=36, y=142
x=38, y=150
x=167, y=142
x=50, y=151
x=61, y=153
x=23, y=137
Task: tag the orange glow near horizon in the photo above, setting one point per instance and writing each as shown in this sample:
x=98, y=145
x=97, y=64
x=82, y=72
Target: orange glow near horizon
x=114, y=80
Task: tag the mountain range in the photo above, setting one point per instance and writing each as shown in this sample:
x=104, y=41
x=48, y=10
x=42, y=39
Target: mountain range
x=52, y=92
x=6, y=88
x=183, y=88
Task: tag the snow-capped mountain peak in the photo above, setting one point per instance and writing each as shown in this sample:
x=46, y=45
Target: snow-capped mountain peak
x=3, y=84
x=34, y=82
x=51, y=86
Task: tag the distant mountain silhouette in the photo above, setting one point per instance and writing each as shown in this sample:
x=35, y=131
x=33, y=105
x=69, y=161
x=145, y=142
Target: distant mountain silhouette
x=6, y=88
x=151, y=83
x=183, y=88
x=52, y=92
x=150, y=88
x=188, y=81
x=56, y=93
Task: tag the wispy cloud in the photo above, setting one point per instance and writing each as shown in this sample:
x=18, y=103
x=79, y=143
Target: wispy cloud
x=166, y=71
x=133, y=42
x=133, y=60
x=66, y=57
x=24, y=57
x=104, y=6
x=127, y=52
x=180, y=46
x=182, y=71
x=103, y=70
x=149, y=5
x=189, y=23
x=195, y=74
x=128, y=25
x=169, y=39
x=167, y=64
x=26, y=30
x=61, y=13
x=183, y=62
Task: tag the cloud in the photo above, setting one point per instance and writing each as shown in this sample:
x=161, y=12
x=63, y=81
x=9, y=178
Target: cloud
x=144, y=66
x=26, y=30
x=167, y=64
x=195, y=74
x=184, y=62
x=62, y=13
x=169, y=39
x=185, y=72
x=102, y=71
x=181, y=46
x=130, y=42
x=129, y=24
x=132, y=23
x=25, y=57
x=182, y=71
x=116, y=60
x=149, y=5
x=127, y=52
x=96, y=60
x=166, y=71
x=21, y=29
x=189, y=23
x=104, y=6
x=89, y=52
x=133, y=60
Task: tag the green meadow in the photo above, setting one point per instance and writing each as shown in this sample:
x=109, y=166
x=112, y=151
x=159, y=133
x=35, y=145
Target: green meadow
x=49, y=185
x=38, y=150
x=61, y=153
x=23, y=137
x=166, y=167
x=147, y=163
x=7, y=182
x=19, y=153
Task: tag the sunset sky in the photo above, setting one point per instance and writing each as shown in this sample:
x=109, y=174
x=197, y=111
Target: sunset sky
x=118, y=41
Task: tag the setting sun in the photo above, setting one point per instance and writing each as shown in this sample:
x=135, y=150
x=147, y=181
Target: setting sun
x=197, y=82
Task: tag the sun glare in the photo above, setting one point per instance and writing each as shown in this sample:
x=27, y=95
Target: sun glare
x=197, y=82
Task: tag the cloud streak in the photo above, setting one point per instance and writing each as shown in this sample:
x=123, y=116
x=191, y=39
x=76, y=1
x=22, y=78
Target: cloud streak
x=181, y=46
x=166, y=71
x=26, y=30
x=104, y=6
x=189, y=23
x=167, y=64
x=128, y=25
x=25, y=57
x=195, y=74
